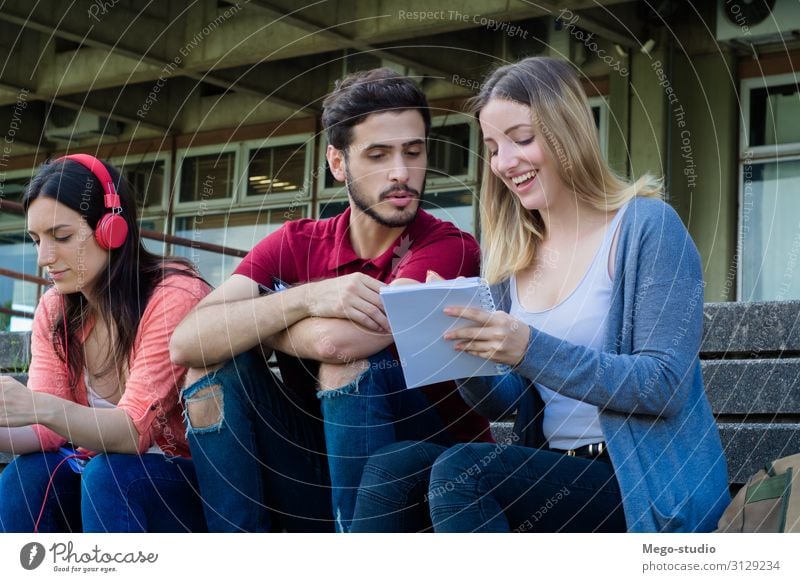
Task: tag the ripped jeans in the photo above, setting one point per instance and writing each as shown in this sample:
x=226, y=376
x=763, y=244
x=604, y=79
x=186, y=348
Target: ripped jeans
x=261, y=462
x=373, y=411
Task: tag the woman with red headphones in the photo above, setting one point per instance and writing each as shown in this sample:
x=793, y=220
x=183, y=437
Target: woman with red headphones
x=98, y=428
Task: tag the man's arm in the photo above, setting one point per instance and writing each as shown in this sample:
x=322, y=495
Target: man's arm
x=233, y=319
x=334, y=340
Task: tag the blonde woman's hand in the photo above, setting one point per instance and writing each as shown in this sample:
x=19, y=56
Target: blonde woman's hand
x=494, y=336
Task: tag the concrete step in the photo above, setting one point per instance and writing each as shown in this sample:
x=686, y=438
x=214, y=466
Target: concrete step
x=15, y=350
x=768, y=386
x=750, y=329
x=749, y=447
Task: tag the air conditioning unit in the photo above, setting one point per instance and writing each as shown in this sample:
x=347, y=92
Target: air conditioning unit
x=757, y=21
x=71, y=125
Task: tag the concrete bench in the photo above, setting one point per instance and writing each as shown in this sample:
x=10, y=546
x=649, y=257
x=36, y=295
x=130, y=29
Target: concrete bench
x=751, y=365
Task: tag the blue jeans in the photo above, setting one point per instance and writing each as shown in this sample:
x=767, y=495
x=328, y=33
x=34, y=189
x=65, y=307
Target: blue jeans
x=494, y=488
x=261, y=465
x=115, y=493
x=373, y=411
x=393, y=496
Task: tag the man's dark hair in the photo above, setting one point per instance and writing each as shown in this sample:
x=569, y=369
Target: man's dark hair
x=365, y=92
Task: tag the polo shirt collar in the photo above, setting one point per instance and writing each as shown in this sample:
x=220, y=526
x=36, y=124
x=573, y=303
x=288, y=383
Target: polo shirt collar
x=343, y=252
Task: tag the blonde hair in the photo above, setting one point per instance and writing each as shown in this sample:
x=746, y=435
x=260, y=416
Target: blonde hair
x=564, y=123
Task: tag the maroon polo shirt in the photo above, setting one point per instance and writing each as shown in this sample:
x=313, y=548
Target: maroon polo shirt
x=308, y=250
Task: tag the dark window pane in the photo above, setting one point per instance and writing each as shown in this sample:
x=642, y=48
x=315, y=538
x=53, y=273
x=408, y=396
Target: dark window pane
x=774, y=112
x=448, y=151
x=329, y=209
x=12, y=190
x=147, y=181
x=207, y=177
x=276, y=169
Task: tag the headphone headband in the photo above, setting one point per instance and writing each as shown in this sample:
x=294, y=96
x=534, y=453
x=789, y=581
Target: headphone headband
x=111, y=230
x=96, y=167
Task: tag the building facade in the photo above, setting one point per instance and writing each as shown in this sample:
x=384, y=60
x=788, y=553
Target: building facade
x=212, y=110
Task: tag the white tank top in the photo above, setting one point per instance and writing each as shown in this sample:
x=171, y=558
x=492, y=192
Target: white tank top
x=579, y=319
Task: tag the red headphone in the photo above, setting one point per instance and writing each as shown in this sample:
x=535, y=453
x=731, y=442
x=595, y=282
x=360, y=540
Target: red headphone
x=112, y=230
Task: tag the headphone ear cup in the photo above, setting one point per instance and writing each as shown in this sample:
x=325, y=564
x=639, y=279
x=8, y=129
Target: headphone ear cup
x=111, y=231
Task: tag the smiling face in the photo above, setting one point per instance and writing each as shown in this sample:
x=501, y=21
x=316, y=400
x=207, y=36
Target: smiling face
x=384, y=166
x=65, y=245
x=518, y=155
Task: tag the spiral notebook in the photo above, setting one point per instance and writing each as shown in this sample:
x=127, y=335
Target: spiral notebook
x=415, y=314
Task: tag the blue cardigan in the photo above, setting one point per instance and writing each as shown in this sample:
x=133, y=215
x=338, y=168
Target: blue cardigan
x=646, y=382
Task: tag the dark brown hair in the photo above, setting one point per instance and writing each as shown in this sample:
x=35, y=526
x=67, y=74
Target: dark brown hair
x=365, y=92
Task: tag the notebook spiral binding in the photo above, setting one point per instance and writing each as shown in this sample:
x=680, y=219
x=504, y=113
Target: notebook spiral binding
x=487, y=302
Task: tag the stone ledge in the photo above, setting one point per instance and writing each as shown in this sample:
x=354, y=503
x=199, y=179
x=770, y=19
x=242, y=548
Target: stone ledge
x=15, y=350
x=748, y=447
x=751, y=328
x=767, y=386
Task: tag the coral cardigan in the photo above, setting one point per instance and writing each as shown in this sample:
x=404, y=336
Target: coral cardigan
x=151, y=395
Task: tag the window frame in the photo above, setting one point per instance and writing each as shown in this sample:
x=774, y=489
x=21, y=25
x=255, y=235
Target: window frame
x=120, y=162
x=461, y=180
x=740, y=213
x=206, y=205
x=766, y=154
x=602, y=130
x=774, y=150
x=280, y=199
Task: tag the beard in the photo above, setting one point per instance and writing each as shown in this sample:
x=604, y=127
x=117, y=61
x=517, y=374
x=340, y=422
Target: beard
x=364, y=205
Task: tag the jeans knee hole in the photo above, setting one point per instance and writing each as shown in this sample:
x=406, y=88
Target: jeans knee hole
x=204, y=408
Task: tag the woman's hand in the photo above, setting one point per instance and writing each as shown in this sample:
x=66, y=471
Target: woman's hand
x=495, y=336
x=16, y=403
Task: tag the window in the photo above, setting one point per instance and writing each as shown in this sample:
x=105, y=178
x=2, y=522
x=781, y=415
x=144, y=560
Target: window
x=774, y=112
x=276, y=170
x=12, y=187
x=330, y=208
x=148, y=180
x=454, y=206
x=599, y=108
x=770, y=230
x=452, y=145
x=240, y=230
x=449, y=152
x=769, y=190
x=207, y=177
x=17, y=254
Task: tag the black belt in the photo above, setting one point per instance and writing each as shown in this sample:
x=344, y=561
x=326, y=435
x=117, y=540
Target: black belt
x=591, y=451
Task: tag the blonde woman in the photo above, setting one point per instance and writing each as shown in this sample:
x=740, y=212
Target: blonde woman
x=600, y=295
